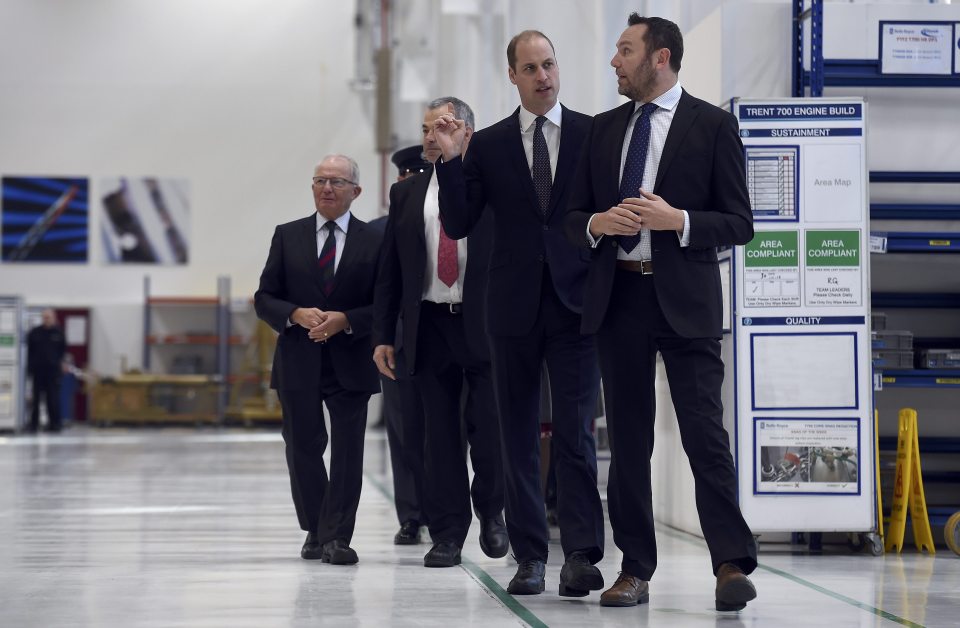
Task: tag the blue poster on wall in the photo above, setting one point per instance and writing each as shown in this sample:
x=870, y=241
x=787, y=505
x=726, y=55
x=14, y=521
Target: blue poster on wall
x=44, y=219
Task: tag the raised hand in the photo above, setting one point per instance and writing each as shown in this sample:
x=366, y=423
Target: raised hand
x=449, y=133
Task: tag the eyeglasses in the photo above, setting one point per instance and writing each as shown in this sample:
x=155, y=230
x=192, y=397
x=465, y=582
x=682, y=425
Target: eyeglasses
x=334, y=183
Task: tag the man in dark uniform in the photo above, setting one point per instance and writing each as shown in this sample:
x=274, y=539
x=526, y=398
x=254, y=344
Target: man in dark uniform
x=402, y=407
x=45, y=350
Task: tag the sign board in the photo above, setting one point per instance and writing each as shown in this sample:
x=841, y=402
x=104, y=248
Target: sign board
x=802, y=377
x=917, y=48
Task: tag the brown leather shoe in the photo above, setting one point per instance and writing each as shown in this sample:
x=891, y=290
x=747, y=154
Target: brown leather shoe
x=734, y=588
x=626, y=591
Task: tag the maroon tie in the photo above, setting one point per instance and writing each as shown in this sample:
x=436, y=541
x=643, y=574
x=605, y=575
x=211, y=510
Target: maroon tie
x=447, y=259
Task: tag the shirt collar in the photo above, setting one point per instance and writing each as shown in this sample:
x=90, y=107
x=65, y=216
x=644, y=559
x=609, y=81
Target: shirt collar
x=528, y=119
x=666, y=100
x=342, y=221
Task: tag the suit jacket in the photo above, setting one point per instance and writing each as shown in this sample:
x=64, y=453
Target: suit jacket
x=291, y=279
x=702, y=171
x=401, y=278
x=494, y=178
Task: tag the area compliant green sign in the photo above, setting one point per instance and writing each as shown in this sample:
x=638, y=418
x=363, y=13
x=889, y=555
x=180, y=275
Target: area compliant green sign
x=772, y=248
x=833, y=248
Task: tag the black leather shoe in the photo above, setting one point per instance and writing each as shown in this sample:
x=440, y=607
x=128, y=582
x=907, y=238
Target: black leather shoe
x=579, y=576
x=337, y=552
x=529, y=578
x=493, y=537
x=311, y=548
x=442, y=554
x=409, y=534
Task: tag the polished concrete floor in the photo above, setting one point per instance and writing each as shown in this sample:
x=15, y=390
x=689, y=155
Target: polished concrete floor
x=196, y=528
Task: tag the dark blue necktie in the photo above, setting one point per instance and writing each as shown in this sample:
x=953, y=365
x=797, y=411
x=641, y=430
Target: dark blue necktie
x=542, y=177
x=633, y=167
x=328, y=258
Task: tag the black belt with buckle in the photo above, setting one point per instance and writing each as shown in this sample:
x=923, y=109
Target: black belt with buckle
x=644, y=267
x=450, y=309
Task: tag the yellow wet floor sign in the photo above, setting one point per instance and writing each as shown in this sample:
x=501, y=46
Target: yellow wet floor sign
x=908, y=489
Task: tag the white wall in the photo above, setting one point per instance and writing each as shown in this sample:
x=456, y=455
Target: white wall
x=241, y=97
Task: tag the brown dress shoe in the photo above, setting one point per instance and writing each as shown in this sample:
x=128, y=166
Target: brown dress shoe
x=626, y=591
x=734, y=588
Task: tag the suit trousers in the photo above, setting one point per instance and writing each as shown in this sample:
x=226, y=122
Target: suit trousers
x=46, y=386
x=571, y=362
x=403, y=417
x=632, y=333
x=444, y=366
x=326, y=505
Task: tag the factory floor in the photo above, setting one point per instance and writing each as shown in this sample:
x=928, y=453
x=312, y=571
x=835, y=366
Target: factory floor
x=182, y=527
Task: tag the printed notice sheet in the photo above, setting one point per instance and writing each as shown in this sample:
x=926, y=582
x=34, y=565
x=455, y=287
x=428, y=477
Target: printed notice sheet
x=807, y=456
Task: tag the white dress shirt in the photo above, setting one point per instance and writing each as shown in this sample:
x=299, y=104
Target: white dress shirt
x=660, y=120
x=551, y=133
x=434, y=289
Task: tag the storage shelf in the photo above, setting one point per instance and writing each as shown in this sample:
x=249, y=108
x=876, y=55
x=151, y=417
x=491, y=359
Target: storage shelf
x=945, y=300
x=928, y=445
x=182, y=301
x=914, y=176
x=914, y=211
x=920, y=378
x=920, y=241
x=866, y=73
x=182, y=339
x=233, y=379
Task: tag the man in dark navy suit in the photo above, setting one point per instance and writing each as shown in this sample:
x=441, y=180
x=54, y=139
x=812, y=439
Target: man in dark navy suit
x=316, y=291
x=436, y=286
x=517, y=172
x=660, y=186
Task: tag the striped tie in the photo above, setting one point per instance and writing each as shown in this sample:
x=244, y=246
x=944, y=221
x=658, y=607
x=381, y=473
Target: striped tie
x=328, y=257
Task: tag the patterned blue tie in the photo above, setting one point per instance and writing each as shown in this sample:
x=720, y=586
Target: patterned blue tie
x=633, y=167
x=542, y=177
x=328, y=257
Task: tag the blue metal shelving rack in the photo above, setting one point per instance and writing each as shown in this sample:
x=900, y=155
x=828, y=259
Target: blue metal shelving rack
x=866, y=73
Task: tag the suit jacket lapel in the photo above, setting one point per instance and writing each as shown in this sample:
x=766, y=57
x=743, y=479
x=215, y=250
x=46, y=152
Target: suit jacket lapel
x=310, y=251
x=621, y=121
x=351, y=246
x=683, y=119
x=514, y=144
x=566, y=160
x=414, y=210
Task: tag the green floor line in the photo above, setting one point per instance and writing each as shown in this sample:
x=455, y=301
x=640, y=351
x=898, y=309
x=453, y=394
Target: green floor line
x=488, y=583
x=484, y=579
x=694, y=540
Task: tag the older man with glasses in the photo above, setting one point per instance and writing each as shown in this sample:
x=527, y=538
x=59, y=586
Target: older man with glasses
x=316, y=291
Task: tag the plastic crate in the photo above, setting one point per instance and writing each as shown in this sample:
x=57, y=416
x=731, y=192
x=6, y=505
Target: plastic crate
x=892, y=359
x=892, y=339
x=878, y=321
x=939, y=359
